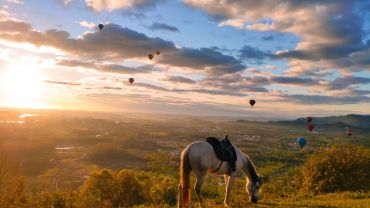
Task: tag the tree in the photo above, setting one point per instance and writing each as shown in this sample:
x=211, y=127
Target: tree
x=130, y=191
x=12, y=185
x=100, y=188
x=339, y=168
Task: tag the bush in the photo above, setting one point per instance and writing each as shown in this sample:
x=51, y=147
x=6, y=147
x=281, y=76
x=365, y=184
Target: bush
x=339, y=168
x=130, y=191
x=100, y=187
x=116, y=189
x=163, y=190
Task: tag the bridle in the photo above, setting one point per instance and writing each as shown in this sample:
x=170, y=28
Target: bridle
x=255, y=186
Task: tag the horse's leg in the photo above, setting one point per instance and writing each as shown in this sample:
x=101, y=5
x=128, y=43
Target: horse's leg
x=226, y=177
x=229, y=185
x=198, y=185
x=180, y=202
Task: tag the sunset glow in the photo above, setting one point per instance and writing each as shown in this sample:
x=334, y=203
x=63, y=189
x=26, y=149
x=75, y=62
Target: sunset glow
x=312, y=57
x=22, y=88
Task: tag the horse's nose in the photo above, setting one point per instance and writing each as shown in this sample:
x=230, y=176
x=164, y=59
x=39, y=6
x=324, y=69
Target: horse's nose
x=254, y=200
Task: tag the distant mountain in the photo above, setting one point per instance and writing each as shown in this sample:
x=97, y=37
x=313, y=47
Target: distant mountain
x=352, y=120
x=334, y=124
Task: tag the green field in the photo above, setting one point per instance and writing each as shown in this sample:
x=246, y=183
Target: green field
x=54, y=152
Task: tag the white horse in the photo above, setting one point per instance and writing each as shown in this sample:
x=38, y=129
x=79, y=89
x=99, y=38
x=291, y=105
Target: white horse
x=200, y=158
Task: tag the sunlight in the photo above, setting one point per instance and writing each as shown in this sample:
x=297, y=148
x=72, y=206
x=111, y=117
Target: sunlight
x=21, y=87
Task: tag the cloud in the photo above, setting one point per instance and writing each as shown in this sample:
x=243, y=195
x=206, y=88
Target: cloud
x=15, y=1
x=208, y=59
x=111, y=88
x=134, y=14
x=178, y=79
x=110, y=5
x=117, y=43
x=202, y=91
x=268, y=38
x=111, y=68
x=13, y=26
x=62, y=83
x=66, y=2
x=248, y=52
x=86, y=24
x=294, y=80
x=326, y=100
x=215, y=92
x=270, y=67
x=151, y=87
x=347, y=81
x=329, y=31
x=163, y=27
x=237, y=83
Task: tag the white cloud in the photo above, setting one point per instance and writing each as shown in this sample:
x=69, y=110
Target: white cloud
x=15, y=1
x=65, y=2
x=86, y=24
x=110, y=5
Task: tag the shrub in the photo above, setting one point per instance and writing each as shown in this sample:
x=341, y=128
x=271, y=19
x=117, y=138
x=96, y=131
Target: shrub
x=101, y=186
x=163, y=190
x=339, y=168
x=129, y=189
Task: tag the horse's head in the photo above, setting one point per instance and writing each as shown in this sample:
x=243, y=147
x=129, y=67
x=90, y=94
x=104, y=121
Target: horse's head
x=254, y=189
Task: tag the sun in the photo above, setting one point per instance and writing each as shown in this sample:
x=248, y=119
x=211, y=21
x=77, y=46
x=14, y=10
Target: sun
x=21, y=87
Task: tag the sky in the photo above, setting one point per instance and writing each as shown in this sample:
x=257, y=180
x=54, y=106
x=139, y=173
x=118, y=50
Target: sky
x=295, y=58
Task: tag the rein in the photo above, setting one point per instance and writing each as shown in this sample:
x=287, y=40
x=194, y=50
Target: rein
x=218, y=167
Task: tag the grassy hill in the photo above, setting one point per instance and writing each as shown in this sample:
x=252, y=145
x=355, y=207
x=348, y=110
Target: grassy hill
x=55, y=154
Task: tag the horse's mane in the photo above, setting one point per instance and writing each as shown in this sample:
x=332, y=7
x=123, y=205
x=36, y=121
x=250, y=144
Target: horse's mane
x=252, y=169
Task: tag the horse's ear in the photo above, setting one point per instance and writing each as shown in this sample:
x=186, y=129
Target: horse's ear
x=226, y=136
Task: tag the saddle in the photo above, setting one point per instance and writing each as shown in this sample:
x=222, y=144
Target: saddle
x=224, y=151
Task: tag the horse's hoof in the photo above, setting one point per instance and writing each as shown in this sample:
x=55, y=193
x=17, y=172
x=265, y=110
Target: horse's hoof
x=226, y=206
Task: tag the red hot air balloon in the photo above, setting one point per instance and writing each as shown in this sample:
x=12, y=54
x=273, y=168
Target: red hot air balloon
x=349, y=131
x=150, y=56
x=131, y=80
x=158, y=52
x=310, y=127
x=100, y=26
x=309, y=119
x=252, y=102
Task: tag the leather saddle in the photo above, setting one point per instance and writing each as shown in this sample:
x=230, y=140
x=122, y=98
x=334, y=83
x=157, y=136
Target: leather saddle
x=224, y=151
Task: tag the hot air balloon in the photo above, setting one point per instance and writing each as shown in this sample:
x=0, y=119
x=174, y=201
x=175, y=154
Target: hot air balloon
x=158, y=52
x=349, y=131
x=310, y=127
x=150, y=56
x=131, y=80
x=309, y=119
x=100, y=26
x=301, y=141
x=252, y=102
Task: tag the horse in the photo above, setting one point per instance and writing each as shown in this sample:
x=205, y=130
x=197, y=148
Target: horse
x=200, y=158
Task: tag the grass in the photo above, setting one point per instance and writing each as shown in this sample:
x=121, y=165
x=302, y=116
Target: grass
x=333, y=200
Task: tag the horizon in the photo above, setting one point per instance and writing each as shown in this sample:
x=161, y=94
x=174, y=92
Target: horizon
x=294, y=59
x=143, y=116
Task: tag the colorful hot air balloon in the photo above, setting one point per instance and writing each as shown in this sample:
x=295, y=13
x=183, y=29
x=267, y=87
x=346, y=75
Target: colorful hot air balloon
x=349, y=131
x=301, y=141
x=252, y=102
x=131, y=80
x=310, y=127
x=309, y=119
x=100, y=26
x=158, y=52
x=150, y=56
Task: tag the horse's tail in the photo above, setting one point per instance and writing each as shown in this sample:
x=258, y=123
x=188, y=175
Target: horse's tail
x=185, y=168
